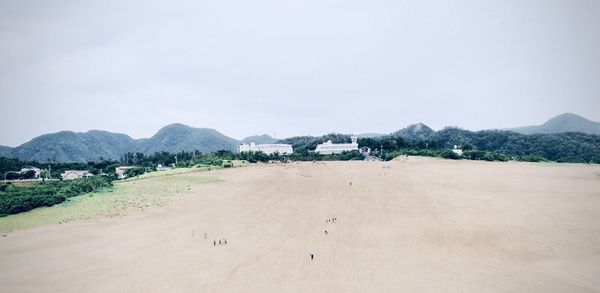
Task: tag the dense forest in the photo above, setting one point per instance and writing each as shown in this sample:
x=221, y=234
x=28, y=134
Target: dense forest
x=572, y=147
x=18, y=198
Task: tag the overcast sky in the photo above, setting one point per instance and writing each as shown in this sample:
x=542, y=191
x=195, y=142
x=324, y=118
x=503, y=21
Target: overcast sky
x=294, y=67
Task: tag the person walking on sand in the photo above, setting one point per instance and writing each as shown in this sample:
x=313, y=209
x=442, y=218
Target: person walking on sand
x=214, y=242
x=204, y=235
x=219, y=241
x=326, y=233
x=312, y=256
x=225, y=240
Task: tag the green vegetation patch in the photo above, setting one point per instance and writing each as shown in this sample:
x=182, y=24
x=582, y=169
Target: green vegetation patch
x=18, y=198
x=125, y=197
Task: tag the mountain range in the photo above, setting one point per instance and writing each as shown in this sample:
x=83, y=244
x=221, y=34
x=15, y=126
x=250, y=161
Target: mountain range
x=66, y=146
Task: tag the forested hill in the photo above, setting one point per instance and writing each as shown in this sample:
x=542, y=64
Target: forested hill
x=560, y=147
x=5, y=151
x=571, y=147
x=72, y=146
x=259, y=139
x=418, y=131
x=68, y=146
x=566, y=122
x=178, y=137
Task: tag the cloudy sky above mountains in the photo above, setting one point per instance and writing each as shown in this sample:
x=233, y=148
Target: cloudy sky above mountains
x=294, y=67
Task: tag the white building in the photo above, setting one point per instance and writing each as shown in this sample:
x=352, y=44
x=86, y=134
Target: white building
x=160, y=167
x=457, y=150
x=34, y=169
x=336, y=148
x=75, y=174
x=121, y=171
x=266, y=148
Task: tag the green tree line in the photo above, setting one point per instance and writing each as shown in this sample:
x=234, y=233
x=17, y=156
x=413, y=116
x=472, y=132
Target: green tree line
x=16, y=199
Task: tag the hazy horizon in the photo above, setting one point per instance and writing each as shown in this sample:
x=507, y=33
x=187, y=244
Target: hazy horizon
x=294, y=68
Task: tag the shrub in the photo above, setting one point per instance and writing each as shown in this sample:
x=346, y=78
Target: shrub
x=448, y=154
x=137, y=171
x=531, y=158
x=15, y=199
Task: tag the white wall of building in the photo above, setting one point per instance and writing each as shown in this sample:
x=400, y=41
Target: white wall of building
x=266, y=148
x=329, y=148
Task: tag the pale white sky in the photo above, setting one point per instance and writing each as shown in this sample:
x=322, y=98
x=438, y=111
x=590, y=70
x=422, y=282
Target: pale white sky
x=294, y=67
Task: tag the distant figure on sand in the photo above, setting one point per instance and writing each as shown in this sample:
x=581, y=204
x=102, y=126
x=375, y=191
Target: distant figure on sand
x=350, y=183
x=312, y=256
x=326, y=233
x=214, y=242
x=219, y=241
x=225, y=240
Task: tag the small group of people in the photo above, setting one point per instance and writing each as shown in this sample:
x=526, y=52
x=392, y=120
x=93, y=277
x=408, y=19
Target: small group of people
x=330, y=220
x=221, y=241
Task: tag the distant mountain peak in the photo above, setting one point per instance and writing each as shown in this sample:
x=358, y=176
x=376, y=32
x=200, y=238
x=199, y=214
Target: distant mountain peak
x=174, y=126
x=415, y=131
x=566, y=122
x=569, y=115
x=260, y=139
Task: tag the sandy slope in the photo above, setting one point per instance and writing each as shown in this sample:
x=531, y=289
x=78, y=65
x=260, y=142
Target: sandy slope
x=415, y=226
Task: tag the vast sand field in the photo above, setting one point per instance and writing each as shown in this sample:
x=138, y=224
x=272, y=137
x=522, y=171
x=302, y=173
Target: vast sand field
x=418, y=226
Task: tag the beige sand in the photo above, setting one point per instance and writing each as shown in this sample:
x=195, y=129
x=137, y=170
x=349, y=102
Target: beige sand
x=414, y=226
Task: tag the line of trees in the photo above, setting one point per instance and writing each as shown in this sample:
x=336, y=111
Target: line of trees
x=16, y=198
x=495, y=145
x=223, y=158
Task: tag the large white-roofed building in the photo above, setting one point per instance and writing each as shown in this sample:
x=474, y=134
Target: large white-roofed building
x=336, y=148
x=266, y=148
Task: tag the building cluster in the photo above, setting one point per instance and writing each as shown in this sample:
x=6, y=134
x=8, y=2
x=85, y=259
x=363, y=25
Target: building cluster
x=34, y=173
x=326, y=148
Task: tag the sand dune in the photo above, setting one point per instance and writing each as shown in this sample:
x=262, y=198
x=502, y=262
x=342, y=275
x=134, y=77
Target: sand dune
x=414, y=226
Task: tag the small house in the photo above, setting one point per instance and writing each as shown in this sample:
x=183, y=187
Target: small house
x=75, y=174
